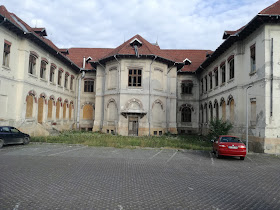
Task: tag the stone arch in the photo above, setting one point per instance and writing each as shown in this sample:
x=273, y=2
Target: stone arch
x=88, y=111
x=222, y=101
x=92, y=104
x=158, y=101
x=111, y=101
x=51, y=103
x=132, y=102
x=71, y=107
x=230, y=97
x=65, y=106
x=58, y=105
x=41, y=101
x=186, y=105
x=186, y=114
x=112, y=110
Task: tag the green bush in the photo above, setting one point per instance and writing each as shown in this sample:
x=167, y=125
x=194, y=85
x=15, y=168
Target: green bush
x=218, y=127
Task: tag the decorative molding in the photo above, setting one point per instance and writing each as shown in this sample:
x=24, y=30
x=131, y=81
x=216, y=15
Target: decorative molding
x=186, y=106
x=86, y=103
x=158, y=101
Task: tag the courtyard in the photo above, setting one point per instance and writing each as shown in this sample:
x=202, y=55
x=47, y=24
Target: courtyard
x=58, y=176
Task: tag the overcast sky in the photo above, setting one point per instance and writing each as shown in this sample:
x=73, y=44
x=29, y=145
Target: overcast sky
x=176, y=24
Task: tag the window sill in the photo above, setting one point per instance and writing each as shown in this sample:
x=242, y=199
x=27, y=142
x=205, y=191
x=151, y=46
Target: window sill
x=231, y=80
x=133, y=87
x=215, y=88
x=252, y=73
x=223, y=84
x=32, y=75
x=43, y=80
x=66, y=89
x=6, y=68
x=52, y=83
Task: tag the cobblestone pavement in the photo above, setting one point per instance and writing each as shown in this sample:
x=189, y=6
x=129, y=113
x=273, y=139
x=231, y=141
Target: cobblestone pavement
x=49, y=176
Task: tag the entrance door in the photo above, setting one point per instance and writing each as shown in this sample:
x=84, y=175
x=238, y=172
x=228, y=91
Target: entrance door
x=133, y=126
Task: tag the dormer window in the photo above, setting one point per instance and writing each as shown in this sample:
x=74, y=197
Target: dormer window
x=136, y=43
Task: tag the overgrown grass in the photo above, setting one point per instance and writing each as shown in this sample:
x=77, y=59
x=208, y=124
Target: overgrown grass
x=193, y=142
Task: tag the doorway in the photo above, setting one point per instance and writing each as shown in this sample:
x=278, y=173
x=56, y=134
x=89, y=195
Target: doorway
x=132, y=126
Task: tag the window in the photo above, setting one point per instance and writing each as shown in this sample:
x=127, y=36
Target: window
x=211, y=111
x=186, y=114
x=231, y=68
x=89, y=86
x=52, y=73
x=43, y=69
x=71, y=82
x=216, y=105
x=135, y=77
x=206, y=84
x=210, y=80
x=66, y=80
x=201, y=82
x=223, y=72
x=216, y=77
x=253, y=58
x=32, y=64
x=59, y=77
x=187, y=87
x=6, y=53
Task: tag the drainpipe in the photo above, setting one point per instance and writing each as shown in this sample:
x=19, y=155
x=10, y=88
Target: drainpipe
x=119, y=92
x=103, y=96
x=167, y=97
x=149, y=117
x=79, y=93
x=271, y=80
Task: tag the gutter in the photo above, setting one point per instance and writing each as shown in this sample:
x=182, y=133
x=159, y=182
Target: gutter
x=119, y=93
x=149, y=118
x=79, y=93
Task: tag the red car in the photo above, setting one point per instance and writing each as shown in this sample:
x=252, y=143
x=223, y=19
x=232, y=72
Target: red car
x=229, y=146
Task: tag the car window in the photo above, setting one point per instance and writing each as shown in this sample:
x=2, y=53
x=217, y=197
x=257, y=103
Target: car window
x=5, y=129
x=230, y=139
x=14, y=130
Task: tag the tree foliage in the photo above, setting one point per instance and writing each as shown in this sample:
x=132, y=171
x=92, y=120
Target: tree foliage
x=219, y=127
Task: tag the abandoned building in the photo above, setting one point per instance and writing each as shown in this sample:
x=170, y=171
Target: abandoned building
x=140, y=89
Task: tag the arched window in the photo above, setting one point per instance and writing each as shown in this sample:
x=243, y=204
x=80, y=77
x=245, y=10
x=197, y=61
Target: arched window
x=186, y=114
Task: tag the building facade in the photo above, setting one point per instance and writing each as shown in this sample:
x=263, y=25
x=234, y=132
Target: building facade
x=140, y=89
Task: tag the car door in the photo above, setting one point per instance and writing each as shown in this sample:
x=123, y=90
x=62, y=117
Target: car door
x=16, y=135
x=6, y=135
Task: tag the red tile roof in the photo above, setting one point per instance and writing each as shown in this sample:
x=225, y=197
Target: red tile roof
x=77, y=55
x=195, y=56
x=273, y=9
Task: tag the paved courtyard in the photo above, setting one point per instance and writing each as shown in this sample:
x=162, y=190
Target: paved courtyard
x=49, y=176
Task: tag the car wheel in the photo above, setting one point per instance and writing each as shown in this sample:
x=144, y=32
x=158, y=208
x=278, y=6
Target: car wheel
x=242, y=158
x=26, y=140
x=217, y=155
x=1, y=143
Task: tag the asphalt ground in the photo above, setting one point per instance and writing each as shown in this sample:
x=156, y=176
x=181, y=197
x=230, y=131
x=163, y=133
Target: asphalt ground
x=57, y=176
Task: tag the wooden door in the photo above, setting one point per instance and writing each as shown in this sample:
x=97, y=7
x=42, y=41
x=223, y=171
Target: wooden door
x=133, y=126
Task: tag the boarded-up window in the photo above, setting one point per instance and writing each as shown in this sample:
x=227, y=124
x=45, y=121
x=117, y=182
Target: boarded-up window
x=232, y=110
x=29, y=106
x=88, y=112
x=50, y=107
x=224, y=111
x=57, y=109
x=70, y=111
x=157, y=113
x=253, y=112
x=64, y=110
x=40, y=110
x=112, y=112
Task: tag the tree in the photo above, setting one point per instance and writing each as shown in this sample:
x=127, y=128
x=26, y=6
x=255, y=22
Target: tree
x=218, y=127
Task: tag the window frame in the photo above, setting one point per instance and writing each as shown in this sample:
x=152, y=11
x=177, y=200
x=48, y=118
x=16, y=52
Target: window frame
x=223, y=73
x=186, y=115
x=6, y=53
x=88, y=87
x=43, y=70
x=187, y=87
x=135, y=78
x=216, y=77
x=32, y=64
x=52, y=73
x=66, y=76
x=231, y=68
x=59, y=77
x=253, y=58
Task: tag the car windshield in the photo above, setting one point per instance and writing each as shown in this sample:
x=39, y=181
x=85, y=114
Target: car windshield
x=230, y=139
